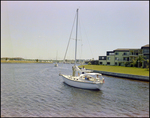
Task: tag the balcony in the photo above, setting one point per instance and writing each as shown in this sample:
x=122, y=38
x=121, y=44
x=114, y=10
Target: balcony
x=125, y=55
x=122, y=60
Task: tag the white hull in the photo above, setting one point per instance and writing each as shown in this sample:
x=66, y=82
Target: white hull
x=76, y=82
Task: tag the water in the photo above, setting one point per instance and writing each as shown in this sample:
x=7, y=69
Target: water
x=37, y=90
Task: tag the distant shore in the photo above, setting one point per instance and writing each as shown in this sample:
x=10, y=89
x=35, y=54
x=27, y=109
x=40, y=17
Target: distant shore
x=120, y=71
x=21, y=61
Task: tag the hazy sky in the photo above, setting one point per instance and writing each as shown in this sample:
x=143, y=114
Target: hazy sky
x=41, y=29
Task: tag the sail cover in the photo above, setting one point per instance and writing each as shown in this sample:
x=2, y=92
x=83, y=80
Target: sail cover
x=82, y=70
x=77, y=69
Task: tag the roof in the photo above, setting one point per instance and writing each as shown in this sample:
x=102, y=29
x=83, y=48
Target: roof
x=147, y=45
x=121, y=49
x=135, y=49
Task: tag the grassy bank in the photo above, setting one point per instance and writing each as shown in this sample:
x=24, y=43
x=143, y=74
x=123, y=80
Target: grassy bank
x=12, y=61
x=119, y=69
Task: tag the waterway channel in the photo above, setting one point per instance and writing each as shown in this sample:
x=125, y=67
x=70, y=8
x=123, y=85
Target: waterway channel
x=37, y=90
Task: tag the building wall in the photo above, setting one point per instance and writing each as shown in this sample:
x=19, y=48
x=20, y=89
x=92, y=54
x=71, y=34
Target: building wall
x=111, y=60
x=145, y=51
x=121, y=57
x=118, y=57
x=102, y=62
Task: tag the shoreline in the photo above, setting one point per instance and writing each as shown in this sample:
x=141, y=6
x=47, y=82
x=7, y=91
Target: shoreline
x=23, y=62
x=123, y=72
x=115, y=74
x=127, y=76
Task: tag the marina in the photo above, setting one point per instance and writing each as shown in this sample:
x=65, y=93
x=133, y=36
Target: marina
x=37, y=90
x=104, y=71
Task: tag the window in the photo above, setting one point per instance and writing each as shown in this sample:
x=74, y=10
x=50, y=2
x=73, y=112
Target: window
x=145, y=50
x=116, y=58
x=108, y=58
x=108, y=63
x=116, y=53
x=102, y=57
x=146, y=56
x=101, y=63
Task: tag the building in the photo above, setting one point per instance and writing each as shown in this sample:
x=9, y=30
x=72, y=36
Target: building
x=121, y=56
x=145, y=52
x=103, y=60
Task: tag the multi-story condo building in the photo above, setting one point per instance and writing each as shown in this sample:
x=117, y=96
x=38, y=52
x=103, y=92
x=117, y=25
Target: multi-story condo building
x=145, y=52
x=118, y=57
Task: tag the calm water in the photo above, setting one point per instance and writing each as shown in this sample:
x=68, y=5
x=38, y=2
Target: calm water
x=38, y=90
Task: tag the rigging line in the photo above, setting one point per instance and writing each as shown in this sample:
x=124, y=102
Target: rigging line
x=88, y=42
x=81, y=38
x=69, y=39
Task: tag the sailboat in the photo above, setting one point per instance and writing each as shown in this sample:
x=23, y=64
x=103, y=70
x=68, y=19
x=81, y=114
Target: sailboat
x=87, y=80
x=56, y=62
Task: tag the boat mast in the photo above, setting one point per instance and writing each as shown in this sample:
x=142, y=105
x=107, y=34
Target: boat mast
x=76, y=38
x=56, y=57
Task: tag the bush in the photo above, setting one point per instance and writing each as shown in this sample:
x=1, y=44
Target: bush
x=147, y=66
x=89, y=63
x=127, y=64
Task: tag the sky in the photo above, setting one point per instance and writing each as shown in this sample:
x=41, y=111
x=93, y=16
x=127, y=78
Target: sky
x=42, y=29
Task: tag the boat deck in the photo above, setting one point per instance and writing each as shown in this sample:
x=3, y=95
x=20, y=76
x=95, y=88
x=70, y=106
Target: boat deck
x=81, y=79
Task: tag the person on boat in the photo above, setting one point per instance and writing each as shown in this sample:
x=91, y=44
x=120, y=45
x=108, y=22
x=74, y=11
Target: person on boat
x=73, y=71
x=86, y=78
x=97, y=78
x=83, y=69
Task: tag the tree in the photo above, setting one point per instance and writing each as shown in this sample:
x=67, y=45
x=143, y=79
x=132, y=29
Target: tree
x=147, y=64
x=131, y=52
x=89, y=63
x=140, y=59
x=127, y=64
x=37, y=60
x=134, y=62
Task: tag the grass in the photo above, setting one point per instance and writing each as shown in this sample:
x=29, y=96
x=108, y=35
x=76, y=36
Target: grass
x=118, y=69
